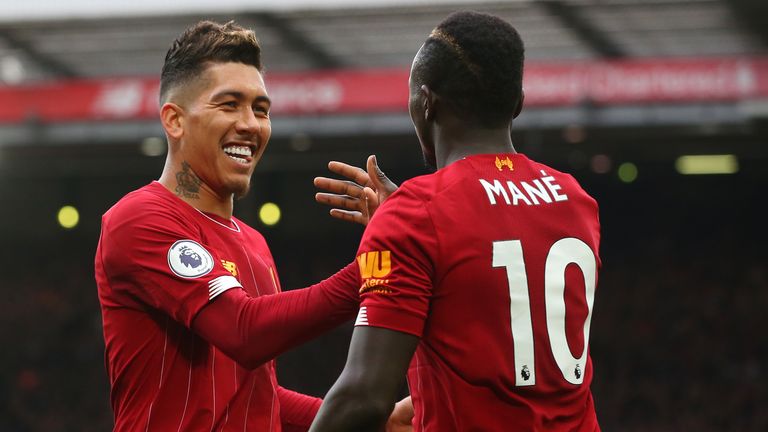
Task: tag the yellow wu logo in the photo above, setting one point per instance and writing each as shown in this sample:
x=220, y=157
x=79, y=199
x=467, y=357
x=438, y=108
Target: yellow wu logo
x=376, y=264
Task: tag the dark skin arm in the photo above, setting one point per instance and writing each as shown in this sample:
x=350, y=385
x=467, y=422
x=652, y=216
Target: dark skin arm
x=365, y=393
x=355, y=200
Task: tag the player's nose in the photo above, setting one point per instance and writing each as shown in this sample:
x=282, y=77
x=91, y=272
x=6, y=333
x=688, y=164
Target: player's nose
x=248, y=123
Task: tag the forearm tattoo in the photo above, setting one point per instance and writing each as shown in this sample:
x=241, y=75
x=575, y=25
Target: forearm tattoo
x=187, y=183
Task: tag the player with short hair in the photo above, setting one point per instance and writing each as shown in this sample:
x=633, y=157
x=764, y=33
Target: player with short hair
x=478, y=279
x=192, y=308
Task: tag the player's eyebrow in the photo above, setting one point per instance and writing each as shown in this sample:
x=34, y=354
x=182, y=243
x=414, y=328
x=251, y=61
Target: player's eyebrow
x=240, y=96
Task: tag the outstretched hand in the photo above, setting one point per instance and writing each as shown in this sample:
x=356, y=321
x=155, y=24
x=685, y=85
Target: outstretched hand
x=356, y=199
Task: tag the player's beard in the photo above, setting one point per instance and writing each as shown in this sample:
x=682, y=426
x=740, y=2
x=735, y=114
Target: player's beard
x=240, y=188
x=241, y=192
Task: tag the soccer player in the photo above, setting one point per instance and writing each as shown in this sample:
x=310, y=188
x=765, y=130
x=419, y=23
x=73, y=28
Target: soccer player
x=478, y=279
x=191, y=305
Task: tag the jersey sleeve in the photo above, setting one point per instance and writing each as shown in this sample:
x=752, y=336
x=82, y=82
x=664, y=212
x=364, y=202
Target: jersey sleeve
x=296, y=410
x=152, y=257
x=396, y=262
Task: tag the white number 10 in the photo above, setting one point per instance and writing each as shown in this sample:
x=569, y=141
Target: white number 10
x=509, y=254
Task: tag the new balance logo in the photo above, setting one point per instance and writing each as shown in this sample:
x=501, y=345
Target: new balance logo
x=230, y=266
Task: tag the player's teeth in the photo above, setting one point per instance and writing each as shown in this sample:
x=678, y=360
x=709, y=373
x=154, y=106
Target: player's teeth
x=241, y=160
x=239, y=150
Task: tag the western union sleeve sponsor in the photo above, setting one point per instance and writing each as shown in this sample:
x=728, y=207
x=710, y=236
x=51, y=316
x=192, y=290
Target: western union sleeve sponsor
x=375, y=264
x=374, y=267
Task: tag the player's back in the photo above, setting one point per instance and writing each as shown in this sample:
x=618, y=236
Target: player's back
x=505, y=341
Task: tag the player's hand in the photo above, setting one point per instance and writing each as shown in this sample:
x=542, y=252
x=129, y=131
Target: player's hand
x=356, y=199
x=401, y=417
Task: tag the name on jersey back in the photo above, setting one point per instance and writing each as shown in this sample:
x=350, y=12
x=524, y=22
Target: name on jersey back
x=542, y=190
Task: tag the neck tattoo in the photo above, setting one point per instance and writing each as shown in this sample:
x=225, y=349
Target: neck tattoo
x=188, y=184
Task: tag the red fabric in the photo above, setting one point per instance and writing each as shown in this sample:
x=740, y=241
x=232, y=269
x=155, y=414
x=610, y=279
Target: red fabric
x=433, y=264
x=254, y=330
x=297, y=410
x=163, y=375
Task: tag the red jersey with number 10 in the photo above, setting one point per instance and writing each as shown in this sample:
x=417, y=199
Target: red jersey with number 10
x=493, y=262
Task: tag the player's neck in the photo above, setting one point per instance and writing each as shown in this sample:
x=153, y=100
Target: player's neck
x=457, y=143
x=184, y=183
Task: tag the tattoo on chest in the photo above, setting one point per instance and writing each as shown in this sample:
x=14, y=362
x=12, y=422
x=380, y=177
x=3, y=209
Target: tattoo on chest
x=188, y=184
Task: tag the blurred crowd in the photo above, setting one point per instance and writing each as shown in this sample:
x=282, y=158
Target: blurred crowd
x=52, y=375
x=678, y=343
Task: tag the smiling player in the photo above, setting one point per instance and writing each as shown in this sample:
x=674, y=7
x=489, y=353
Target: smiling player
x=191, y=305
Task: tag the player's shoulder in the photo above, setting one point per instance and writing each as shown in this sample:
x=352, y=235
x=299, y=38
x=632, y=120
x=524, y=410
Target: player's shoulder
x=416, y=186
x=538, y=166
x=565, y=179
x=409, y=202
x=427, y=187
x=145, y=195
x=152, y=202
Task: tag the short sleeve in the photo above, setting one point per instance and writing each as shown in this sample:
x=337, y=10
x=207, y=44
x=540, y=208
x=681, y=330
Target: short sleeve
x=157, y=258
x=396, y=260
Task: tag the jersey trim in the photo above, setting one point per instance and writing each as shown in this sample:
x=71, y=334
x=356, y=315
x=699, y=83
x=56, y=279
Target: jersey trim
x=362, y=317
x=234, y=222
x=221, y=284
x=392, y=318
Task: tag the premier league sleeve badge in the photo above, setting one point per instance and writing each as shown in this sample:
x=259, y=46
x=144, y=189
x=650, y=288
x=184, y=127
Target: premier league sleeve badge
x=188, y=259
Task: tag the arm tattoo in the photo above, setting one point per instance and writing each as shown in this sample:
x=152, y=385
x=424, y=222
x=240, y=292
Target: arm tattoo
x=188, y=184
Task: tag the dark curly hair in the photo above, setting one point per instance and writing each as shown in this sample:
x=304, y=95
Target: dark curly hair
x=475, y=61
x=205, y=42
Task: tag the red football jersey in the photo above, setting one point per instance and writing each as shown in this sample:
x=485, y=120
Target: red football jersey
x=493, y=262
x=158, y=263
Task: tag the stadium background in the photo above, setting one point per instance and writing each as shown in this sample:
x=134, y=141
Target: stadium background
x=619, y=90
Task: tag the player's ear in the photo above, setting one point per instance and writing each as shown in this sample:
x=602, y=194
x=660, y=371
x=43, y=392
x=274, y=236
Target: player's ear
x=172, y=119
x=429, y=101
